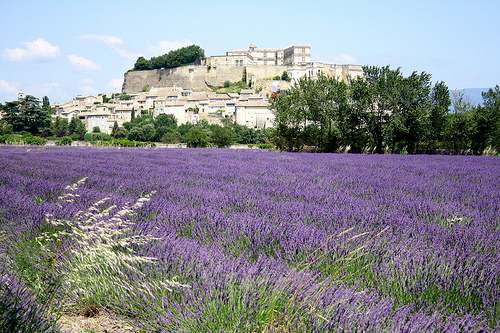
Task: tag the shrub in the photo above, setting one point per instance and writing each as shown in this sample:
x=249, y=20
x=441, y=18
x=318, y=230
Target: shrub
x=101, y=136
x=128, y=143
x=5, y=129
x=9, y=139
x=64, y=141
x=88, y=137
x=265, y=146
x=29, y=139
x=227, y=84
x=121, y=133
x=96, y=129
x=286, y=77
x=171, y=137
x=75, y=137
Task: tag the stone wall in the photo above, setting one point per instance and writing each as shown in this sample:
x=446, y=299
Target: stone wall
x=198, y=78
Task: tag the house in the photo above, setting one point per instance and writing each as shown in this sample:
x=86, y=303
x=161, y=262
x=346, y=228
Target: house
x=255, y=114
x=98, y=119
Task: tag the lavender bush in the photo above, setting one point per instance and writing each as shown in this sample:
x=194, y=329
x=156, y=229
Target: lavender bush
x=252, y=241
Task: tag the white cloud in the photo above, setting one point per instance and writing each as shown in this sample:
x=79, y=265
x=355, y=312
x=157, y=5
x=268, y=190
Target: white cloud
x=38, y=50
x=110, y=41
x=128, y=55
x=344, y=59
x=87, y=81
x=48, y=88
x=88, y=90
x=8, y=87
x=83, y=64
x=115, y=84
x=166, y=46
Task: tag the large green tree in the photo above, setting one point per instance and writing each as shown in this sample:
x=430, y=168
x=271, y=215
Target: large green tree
x=222, y=137
x=408, y=124
x=457, y=131
x=27, y=115
x=485, y=122
x=196, y=137
x=167, y=120
x=440, y=104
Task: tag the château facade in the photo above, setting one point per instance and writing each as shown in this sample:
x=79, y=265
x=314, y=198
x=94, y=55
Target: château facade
x=291, y=55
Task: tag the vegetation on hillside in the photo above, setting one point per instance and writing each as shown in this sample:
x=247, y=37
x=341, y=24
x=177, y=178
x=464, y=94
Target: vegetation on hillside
x=180, y=57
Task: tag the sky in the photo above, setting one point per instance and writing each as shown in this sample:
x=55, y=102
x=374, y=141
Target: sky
x=62, y=49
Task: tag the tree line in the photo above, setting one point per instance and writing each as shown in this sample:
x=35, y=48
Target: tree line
x=26, y=121
x=384, y=111
x=180, y=57
x=164, y=128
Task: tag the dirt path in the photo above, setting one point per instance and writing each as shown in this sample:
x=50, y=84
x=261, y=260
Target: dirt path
x=100, y=323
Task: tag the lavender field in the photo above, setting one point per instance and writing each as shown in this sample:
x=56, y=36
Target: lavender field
x=212, y=240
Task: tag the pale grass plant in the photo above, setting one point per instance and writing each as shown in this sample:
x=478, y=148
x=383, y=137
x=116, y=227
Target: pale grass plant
x=292, y=316
x=94, y=252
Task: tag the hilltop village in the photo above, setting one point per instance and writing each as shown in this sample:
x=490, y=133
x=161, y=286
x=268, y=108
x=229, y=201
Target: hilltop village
x=247, y=108
x=187, y=92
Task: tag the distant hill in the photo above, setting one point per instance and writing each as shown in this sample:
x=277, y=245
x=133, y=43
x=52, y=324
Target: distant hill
x=474, y=94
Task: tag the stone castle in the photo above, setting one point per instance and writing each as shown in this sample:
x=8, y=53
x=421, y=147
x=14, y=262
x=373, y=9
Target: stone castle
x=261, y=66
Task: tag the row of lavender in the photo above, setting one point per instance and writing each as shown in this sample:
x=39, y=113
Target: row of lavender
x=250, y=233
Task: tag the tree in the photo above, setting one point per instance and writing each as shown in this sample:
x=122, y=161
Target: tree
x=458, y=123
x=60, y=127
x=440, y=104
x=316, y=112
x=485, y=122
x=121, y=133
x=285, y=76
x=376, y=95
x=27, y=115
x=222, y=137
x=147, y=132
x=290, y=120
x=197, y=137
x=46, y=105
x=142, y=64
x=167, y=120
x=492, y=103
x=408, y=124
x=244, y=76
x=115, y=127
x=170, y=136
x=76, y=125
x=96, y=129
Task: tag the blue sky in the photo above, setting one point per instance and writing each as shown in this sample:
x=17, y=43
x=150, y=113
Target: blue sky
x=62, y=49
